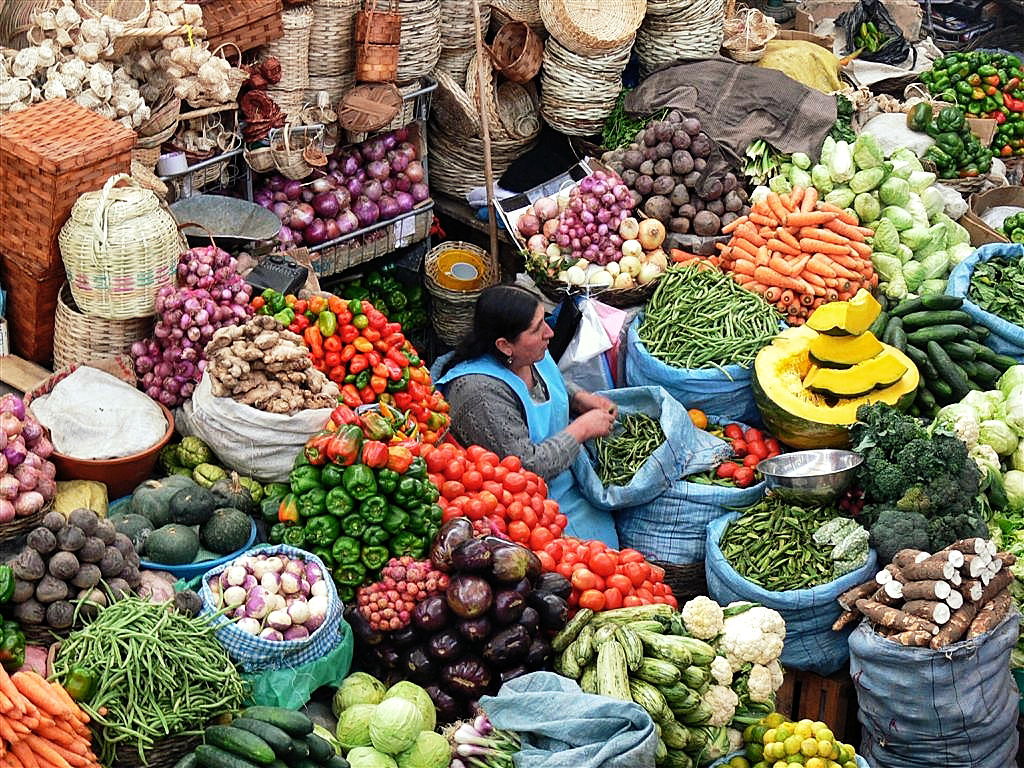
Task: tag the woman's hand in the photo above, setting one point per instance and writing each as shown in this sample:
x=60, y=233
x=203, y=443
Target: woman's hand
x=594, y=423
x=587, y=401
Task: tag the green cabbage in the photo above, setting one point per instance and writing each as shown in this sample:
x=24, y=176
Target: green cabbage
x=368, y=757
x=997, y=434
x=1013, y=482
x=840, y=196
x=901, y=171
x=955, y=234
x=430, y=750
x=959, y=252
x=828, y=147
x=785, y=168
x=933, y=202
x=921, y=180
x=865, y=181
x=800, y=160
x=905, y=253
x=913, y=273
x=1012, y=378
x=841, y=166
x=798, y=177
x=935, y=266
x=780, y=185
x=354, y=726
x=1014, y=405
x=894, y=191
x=915, y=207
x=987, y=405
x=394, y=726
x=419, y=697
x=821, y=179
x=866, y=153
x=357, y=688
x=897, y=288
x=886, y=237
x=906, y=156
x=867, y=207
x=898, y=216
x=932, y=287
x=916, y=237
x=1017, y=457
x=887, y=266
x=936, y=242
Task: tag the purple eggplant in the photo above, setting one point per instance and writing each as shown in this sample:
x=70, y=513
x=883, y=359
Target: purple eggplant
x=475, y=630
x=508, y=607
x=361, y=628
x=402, y=637
x=452, y=533
x=471, y=556
x=552, y=609
x=530, y=619
x=468, y=596
x=446, y=645
x=523, y=587
x=420, y=666
x=512, y=674
x=447, y=706
x=554, y=583
x=538, y=655
x=507, y=647
x=432, y=614
x=467, y=677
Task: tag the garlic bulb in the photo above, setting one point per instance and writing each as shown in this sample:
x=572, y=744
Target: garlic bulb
x=167, y=6
x=54, y=89
x=88, y=52
x=67, y=17
x=92, y=31
x=101, y=81
x=26, y=62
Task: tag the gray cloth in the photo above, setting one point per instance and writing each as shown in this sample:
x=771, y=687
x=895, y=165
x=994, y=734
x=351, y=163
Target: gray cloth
x=562, y=727
x=737, y=103
x=485, y=411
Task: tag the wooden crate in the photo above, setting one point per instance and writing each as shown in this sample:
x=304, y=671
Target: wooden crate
x=832, y=700
x=31, y=308
x=246, y=23
x=50, y=154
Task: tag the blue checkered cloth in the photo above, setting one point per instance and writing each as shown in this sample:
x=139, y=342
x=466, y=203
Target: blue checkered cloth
x=254, y=654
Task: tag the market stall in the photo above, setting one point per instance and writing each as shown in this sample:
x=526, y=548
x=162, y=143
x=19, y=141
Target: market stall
x=686, y=430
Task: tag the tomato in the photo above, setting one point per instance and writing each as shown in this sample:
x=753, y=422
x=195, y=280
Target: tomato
x=733, y=431
x=564, y=569
x=592, y=599
x=671, y=600
x=454, y=469
x=757, y=448
x=555, y=548
x=451, y=488
x=492, y=487
x=739, y=447
x=473, y=480
x=772, y=445
x=476, y=509
x=583, y=578
x=518, y=531
x=638, y=572
x=514, y=511
x=612, y=599
x=751, y=461
x=547, y=562
x=645, y=595
x=512, y=463
x=628, y=555
x=602, y=564
x=620, y=582
x=570, y=557
x=500, y=473
x=631, y=601
x=489, y=500
x=657, y=572
x=486, y=470
x=474, y=452
x=726, y=469
x=561, y=521
x=436, y=461
x=515, y=482
x=744, y=477
x=753, y=435
x=531, y=486
x=540, y=537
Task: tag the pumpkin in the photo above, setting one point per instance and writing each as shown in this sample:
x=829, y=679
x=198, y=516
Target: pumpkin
x=843, y=351
x=846, y=318
x=231, y=493
x=804, y=419
x=881, y=371
x=192, y=506
x=152, y=498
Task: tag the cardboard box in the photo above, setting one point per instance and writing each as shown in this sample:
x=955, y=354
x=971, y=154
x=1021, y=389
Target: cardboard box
x=981, y=233
x=826, y=41
x=984, y=128
x=810, y=13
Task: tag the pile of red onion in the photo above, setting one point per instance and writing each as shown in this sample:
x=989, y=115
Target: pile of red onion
x=27, y=478
x=212, y=294
x=377, y=180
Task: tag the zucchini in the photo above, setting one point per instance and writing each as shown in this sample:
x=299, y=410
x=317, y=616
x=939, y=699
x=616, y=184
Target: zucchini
x=240, y=742
x=651, y=699
x=894, y=325
x=214, y=757
x=188, y=761
x=942, y=391
x=924, y=365
x=566, y=664
x=986, y=374
x=990, y=356
x=337, y=761
x=583, y=646
x=877, y=328
x=927, y=318
x=959, y=351
x=696, y=677
x=604, y=634
x=588, y=680
x=674, y=735
x=940, y=301
x=612, y=674
x=633, y=613
x=680, y=698
x=938, y=333
x=950, y=372
x=980, y=331
x=646, y=626
x=631, y=645
x=288, y=720
x=668, y=648
x=907, y=306
x=278, y=740
x=926, y=400
x=319, y=748
x=701, y=653
x=572, y=629
x=658, y=671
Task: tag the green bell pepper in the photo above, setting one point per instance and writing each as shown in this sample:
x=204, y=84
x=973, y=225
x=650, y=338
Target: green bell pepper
x=409, y=492
x=345, y=550
x=430, y=493
x=359, y=481
x=268, y=510
x=950, y=119
x=325, y=554
x=353, y=525
x=417, y=469
x=339, y=503
x=327, y=322
x=419, y=520
x=276, y=533
x=373, y=509
x=401, y=384
x=363, y=379
x=80, y=683
x=276, y=490
x=375, y=535
x=304, y=478
x=7, y=581
x=12, y=646
x=951, y=144
x=312, y=503
x=407, y=543
x=395, y=520
x=349, y=574
x=331, y=475
x=375, y=558
x=387, y=481
x=294, y=536
x=987, y=70
x=321, y=531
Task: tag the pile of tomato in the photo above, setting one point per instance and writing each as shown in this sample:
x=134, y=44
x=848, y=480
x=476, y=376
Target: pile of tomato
x=750, y=447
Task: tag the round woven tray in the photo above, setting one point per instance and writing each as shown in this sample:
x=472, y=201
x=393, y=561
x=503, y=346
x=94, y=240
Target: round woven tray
x=454, y=62
x=78, y=337
x=452, y=311
x=504, y=11
x=452, y=109
x=686, y=580
x=369, y=107
x=588, y=27
x=517, y=52
x=20, y=526
x=518, y=109
x=621, y=298
x=579, y=92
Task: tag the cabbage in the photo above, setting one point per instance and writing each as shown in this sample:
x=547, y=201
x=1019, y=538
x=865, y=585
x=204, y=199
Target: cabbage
x=1011, y=379
x=986, y=459
x=959, y=252
x=898, y=216
x=798, y=177
x=897, y=288
x=1017, y=457
x=1013, y=482
x=430, y=750
x=841, y=196
x=933, y=202
x=395, y=724
x=921, y=180
x=886, y=238
x=916, y=238
x=368, y=757
x=354, y=726
x=1014, y=409
x=800, y=160
x=821, y=179
x=828, y=147
x=867, y=207
x=987, y=405
x=915, y=207
x=901, y=171
x=841, y=166
x=780, y=185
x=913, y=273
x=936, y=243
x=934, y=287
x=866, y=153
x=419, y=697
x=357, y=688
x=905, y=253
x=995, y=433
x=865, y=181
x=894, y=191
x=956, y=234
x=906, y=156
x=887, y=266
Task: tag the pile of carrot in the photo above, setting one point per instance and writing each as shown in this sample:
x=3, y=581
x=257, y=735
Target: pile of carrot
x=41, y=726
x=799, y=252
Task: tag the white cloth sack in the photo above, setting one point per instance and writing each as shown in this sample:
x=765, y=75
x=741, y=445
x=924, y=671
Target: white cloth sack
x=93, y=415
x=250, y=441
x=891, y=132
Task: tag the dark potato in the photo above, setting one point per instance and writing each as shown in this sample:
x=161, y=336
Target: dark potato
x=647, y=168
x=644, y=185
x=663, y=130
x=707, y=224
x=631, y=159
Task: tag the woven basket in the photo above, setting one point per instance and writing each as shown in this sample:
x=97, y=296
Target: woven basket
x=451, y=311
x=147, y=179
x=458, y=30
x=378, y=34
x=687, y=580
x=665, y=7
x=695, y=31
x=452, y=110
x=589, y=27
x=20, y=526
x=287, y=153
x=369, y=107
x=745, y=56
x=456, y=160
x=260, y=159
x=454, y=62
x=421, y=39
x=331, y=42
x=132, y=14
x=504, y=11
x=147, y=149
x=236, y=78
x=163, y=754
x=78, y=338
x=517, y=52
x=292, y=50
x=518, y=110
x=622, y=298
x=579, y=92
x=161, y=118
x=120, y=247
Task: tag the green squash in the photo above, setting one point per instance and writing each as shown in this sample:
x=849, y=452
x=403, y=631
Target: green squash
x=151, y=498
x=192, y=506
x=135, y=527
x=172, y=545
x=226, y=531
x=231, y=493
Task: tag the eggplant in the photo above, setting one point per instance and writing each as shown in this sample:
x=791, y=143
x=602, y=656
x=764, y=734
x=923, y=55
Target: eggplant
x=475, y=630
x=508, y=607
x=432, y=614
x=555, y=583
x=467, y=677
x=507, y=647
x=512, y=674
x=361, y=628
x=472, y=556
x=446, y=645
x=530, y=619
x=468, y=596
x=452, y=533
x=447, y=706
x=389, y=656
x=420, y=666
x=512, y=562
x=538, y=655
x=402, y=637
x=552, y=610
x=523, y=587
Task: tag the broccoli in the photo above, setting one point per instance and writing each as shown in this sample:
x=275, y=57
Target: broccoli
x=944, y=495
x=880, y=479
x=944, y=530
x=884, y=427
x=895, y=530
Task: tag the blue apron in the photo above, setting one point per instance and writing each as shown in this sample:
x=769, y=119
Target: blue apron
x=546, y=420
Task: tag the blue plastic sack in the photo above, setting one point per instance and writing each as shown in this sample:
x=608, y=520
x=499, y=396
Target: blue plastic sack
x=725, y=391
x=956, y=707
x=724, y=762
x=1004, y=337
x=811, y=644
x=686, y=450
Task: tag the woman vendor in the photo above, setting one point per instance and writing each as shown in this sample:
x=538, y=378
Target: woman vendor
x=507, y=394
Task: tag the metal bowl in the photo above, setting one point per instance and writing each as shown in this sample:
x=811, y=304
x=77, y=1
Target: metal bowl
x=810, y=477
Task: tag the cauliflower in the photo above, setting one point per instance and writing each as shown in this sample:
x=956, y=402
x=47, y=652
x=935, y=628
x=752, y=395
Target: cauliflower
x=759, y=684
x=721, y=670
x=986, y=458
x=703, y=617
x=775, y=669
x=753, y=636
x=959, y=420
x=735, y=739
x=722, y=702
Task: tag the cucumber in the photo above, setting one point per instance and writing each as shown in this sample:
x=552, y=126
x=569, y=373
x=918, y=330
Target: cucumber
x=924, y=365
x=319, y=748
x=938, y=333
x=214, y=757
x=289, y=721
x=990, y=356
x=959, y=351
x=188, y=761
x=948, y=370
x=898, y=338
x=939, y=301
x=967, y=366
x=972, y=335
x=894, y=326
x=278, y=740
x=928, y=318
x=240, y=742
x=304, y=763
x=907, y=306
x=942, y=391
x=926, y=400
x=877, y=328
x=980, y=331
x=300, y=750
x=336, y=762
x=986, y=374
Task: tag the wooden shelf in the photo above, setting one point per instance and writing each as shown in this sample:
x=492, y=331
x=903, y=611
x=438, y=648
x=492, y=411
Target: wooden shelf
x=21, y=374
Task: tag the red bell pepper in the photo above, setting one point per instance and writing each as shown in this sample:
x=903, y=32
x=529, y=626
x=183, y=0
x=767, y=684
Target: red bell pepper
x=343, y=415
x=358, y=364
x=332, y=359
x=371, y=334
x=350, y=396
x=361, y=344
x=367, y=395
x=374, y=454
x=399, y=458
x=347, y=353
x=337, y=374
x=336, y=305
x=344, y=446
x=373, y=357
x=288, y=511
x=315, y=449
x=314, y=341
x=348, y=333
x=378, y=384
x=332, y=344
x=392, y=369
x=398, y=357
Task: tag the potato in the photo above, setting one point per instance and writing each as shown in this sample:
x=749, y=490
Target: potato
x=707, y=224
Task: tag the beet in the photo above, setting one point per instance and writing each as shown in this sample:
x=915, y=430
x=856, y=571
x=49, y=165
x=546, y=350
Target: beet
x=728, y=218
x=631, y=159
x=707, y=224
x=664, y=149
x=629, y=177
x=682, y=162
x=675, y=117
x=712, y=190
x=691, y=125
x=658, y=207
x=663, y=130
x=732, y=201
x=663, y=167
x=692, y=179
x=644, y=185
x=681, y=140
x=680, y=195
x=679, y=225
x=646, y=168
x=699, y=164
x=701, y=145
x=663, y=185
x=651, y=137
x=716, y=207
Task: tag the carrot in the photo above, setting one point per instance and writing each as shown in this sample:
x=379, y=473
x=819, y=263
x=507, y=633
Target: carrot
x=845, y=295
x=781, y=266
x=756, y=287
x=788, y=238
x=796, y=197
x=751, y=234
x=6, y=732
x=779, y=245
x=74, y=758
x=842, y=215
x=825, y=235
x=845, y=266
x=735, y=223
x=742, y=245
x=787, y=297
x=11, y=692
x=24, y=753
x=743, y=267
x=35, y=689
x=763, y=256
x=798, y=320
x=769, y=277
x=861, y=249
x=45, y=751
x=811, y=245
x=817, y=302
x=820, y=265
x=831, y=295
x=771, y=294
x=810, y=219
x=742, y=278
x=844, y=229
x=774, y=203
x=57, y=735
x=810, y=200
x=807, y=299
x=767, y=221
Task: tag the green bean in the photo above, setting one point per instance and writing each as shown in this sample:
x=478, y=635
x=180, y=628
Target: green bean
x=620, y=456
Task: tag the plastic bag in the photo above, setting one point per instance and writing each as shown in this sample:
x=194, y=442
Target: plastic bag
x=811, y=645
x=1004, y=337
x=896, y=48
x=583, y=362
x=971, y=710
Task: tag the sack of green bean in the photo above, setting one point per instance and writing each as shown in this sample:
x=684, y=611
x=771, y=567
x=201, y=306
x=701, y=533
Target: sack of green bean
x=655, y=442
x=697, y=338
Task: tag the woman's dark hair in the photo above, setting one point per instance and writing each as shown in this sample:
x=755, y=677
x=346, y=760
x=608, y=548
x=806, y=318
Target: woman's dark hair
x=502, y=311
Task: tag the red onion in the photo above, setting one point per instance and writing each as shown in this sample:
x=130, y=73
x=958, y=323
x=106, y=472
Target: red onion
x=415, y=171
x=264, y=198
x=420, y=192
x=332, y=229
x=286, y=236
x=402, y=183
x=341, y=194
x=301, y=216
x=366, y=211
x=388, y=185
x=11, y=403
x=276, y=182
x=354, y=187
x=292, y=189
x=398, y=161
x=378, y=169
x=373, y=149
x=326, y=205
x=322, y=184
x=349, y=165
x=401, y=134
x=347, y=222
x=373, y=190
x=316, y=232
x=405, y=201
x=307, y=195
x=389, y=141
x=281, y=210
x=388, y=207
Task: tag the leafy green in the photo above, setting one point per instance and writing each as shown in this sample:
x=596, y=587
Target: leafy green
x=866, y=152
x=894, y=191
x=996, y=288
x=887, y=238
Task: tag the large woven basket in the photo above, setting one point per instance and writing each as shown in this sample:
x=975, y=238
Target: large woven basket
x=452, y=311
x=421, y=38
x=456, y=160
x=454, y=62
x=292, y=50
x=579, y=92
x=20, y=526
x=458, y=29
x=517, y=52
x=332, y=54
x=694, y=31
x=622, y=298
x=378, y=35
x=120, y=246
x=78, y=337
x=504, y=11
x=588, y=27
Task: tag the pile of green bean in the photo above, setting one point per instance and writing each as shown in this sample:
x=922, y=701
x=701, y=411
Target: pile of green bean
x=771, y=545
x=621, y=454
x=160, y=674
x=699, y=318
